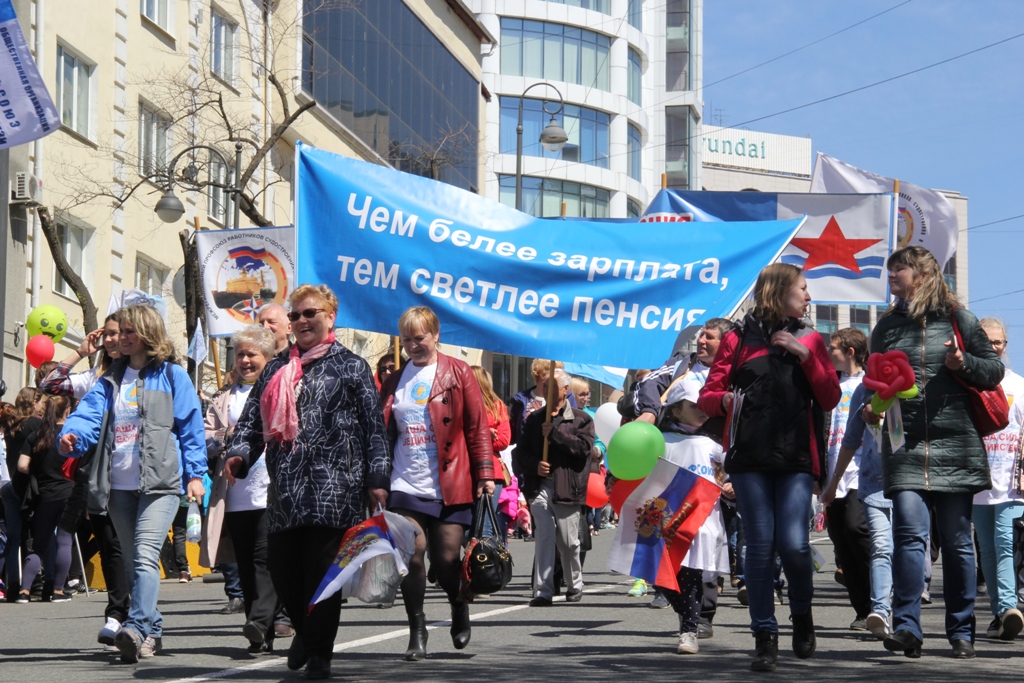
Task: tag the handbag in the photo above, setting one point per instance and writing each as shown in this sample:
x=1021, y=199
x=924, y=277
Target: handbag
x=487, y=565
x=989, y=407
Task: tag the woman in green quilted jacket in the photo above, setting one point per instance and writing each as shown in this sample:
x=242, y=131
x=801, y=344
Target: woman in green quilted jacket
x=943, y=462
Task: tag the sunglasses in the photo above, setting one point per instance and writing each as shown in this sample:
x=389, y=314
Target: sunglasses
x=308, y=314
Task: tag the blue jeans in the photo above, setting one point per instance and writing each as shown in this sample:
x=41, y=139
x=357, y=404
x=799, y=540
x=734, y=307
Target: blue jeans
x=959, y=577
x=142, y=521
x=994, y=524
x=880, y=529
x=776, y=519
x=12, y=515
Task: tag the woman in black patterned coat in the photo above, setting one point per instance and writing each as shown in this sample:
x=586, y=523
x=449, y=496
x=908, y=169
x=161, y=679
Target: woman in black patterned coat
x=316, y=410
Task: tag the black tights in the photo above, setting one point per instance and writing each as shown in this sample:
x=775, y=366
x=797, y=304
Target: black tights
x=445, y=543
x=47, y=515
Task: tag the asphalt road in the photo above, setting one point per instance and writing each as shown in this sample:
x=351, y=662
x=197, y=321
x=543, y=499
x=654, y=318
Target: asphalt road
x=608, y=636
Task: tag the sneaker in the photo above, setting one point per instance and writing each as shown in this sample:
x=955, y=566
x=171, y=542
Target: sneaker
x=1010, y=624
x=859, y=625
x=705, y=631
x=926, y=598
x=687, y=644
x=741, y=595
x=128, y=642
x=62, y=596
x=878, y=625
x=540, y=601
x=150, y=647
x=109, y=630
x=993, y=629
x=638, y=590
x=982, y=589
x=185, y=577
x=659, y=601
x=23, y=598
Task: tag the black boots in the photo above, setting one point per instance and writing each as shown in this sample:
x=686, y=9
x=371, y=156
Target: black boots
x=804, y=642
x=460, y=625
x=766, y=655
x=417, y=638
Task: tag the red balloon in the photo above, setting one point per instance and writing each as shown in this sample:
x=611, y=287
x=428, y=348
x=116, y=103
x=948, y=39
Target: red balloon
x=620, y=492
x=597, y=498
x=39, y=350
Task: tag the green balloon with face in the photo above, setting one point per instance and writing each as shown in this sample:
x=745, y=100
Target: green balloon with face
x=48, y=320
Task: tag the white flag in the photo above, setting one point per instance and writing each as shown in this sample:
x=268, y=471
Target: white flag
x=197, y=348
x=926, y=218
x=28, y=110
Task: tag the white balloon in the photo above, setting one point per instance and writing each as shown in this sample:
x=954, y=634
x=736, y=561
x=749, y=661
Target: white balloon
x=607, y=421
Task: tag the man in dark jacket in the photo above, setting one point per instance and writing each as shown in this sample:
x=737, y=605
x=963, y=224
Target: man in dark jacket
x=556, y=488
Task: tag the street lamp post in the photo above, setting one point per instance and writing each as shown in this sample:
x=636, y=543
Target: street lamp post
x=170, y=209
x=553, y=137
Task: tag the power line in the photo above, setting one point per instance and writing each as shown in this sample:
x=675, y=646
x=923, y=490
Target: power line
x=1001, y=220
x=804, y=47
x=996, y=296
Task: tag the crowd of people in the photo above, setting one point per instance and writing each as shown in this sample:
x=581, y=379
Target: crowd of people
x=305, y=438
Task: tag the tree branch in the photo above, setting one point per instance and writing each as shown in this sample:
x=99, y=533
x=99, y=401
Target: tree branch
x=73, y=279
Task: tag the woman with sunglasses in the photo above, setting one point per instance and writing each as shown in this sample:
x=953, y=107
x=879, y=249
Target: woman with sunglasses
x=314, y=414
x=437, y=424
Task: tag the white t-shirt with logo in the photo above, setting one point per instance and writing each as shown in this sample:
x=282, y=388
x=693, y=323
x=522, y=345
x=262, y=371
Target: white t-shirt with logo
x=124, y=466
x=249, y=493
x=1002, y=446
x=415, y=466
x=848, y=384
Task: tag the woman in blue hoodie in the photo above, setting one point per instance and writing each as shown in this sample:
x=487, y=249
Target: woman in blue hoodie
x=146, y=423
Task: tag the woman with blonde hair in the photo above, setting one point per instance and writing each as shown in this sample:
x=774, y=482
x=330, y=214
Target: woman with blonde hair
x=314, y=415
x=61, y=382
x=144, y=419
x=782, y=368
x=444, y=460
x=943, y=462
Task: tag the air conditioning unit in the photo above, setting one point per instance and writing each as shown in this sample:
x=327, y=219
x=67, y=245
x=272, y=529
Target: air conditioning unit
x=26, y=189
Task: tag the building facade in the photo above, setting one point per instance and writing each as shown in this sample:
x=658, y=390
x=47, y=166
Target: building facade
x=138, y=81
x=737, y=160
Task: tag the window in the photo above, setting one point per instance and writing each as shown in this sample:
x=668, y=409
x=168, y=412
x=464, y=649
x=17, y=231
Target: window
x=73, y=239
x=149, y=277
x=602, y=6
x=157, y=11
x=543, y=197
x=635, y=77
x=217, y=198
x=826, y=319
x=154, y=129
x=678, y=124
x=677, y=50
x=587, y=130
x=537, y=49
x=949, y=272
x=633, y=209
x=860, y=318
x=635, y=14
x=634, y=153
x=223, y=39
x=74, y=91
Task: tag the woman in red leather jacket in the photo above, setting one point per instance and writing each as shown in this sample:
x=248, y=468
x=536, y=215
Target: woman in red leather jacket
x=443, y=462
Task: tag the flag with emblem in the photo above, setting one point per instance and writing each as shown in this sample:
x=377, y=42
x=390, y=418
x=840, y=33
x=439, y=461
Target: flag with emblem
x=658, y=523
x=842, y=246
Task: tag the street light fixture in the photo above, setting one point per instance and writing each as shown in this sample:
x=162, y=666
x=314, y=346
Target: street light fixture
x=553, y=137
x=170, y=209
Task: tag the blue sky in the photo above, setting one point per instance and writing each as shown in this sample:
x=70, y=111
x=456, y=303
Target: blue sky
x=957, y=126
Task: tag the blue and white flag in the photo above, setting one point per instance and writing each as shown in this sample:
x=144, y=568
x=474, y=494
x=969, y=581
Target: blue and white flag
x=842, y=246
x=26, y=107
x=498, y=279
x=197, y=347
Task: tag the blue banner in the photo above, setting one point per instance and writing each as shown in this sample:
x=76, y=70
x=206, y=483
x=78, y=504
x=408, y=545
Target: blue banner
x=27, y=111
x=600, y=293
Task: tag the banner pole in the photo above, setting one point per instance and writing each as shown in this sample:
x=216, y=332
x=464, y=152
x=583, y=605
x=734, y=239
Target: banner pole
x=550, y=402
x=563, y=209
x=398, y=353
x=664, y=181
x=213, y=342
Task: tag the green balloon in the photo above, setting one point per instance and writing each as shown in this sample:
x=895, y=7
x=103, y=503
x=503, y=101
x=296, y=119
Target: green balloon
x=634, y=450
x=48, y=320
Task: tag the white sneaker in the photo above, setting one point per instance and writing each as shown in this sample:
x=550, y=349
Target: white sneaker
x=878, y=625
x=687, y=644
x=1011, y=622
x=109, y=630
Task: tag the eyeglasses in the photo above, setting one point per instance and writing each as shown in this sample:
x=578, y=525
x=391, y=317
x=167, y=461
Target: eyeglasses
x=308, y=314
x=999, y=343
x=388, y=368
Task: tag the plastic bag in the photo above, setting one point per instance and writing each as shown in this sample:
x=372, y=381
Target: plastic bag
x=193, y=523
x=380, y=577
x=818, y=559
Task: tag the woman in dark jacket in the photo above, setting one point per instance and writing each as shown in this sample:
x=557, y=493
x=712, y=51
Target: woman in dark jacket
x=18, y=422
x=316, y=410
x=783, y=370
x=443, y=461
x=944, y=462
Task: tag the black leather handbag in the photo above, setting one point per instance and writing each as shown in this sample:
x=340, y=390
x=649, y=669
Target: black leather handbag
x=487, y=566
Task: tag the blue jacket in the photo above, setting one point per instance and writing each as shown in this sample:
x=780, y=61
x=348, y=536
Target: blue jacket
x=172, y=439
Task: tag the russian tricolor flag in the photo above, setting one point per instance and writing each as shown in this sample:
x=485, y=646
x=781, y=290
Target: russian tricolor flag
x=658, y=523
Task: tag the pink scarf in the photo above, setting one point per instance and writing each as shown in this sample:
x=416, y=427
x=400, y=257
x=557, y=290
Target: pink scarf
x=277, y=404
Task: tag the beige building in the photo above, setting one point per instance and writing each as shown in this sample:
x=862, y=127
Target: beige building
x=136, y=82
